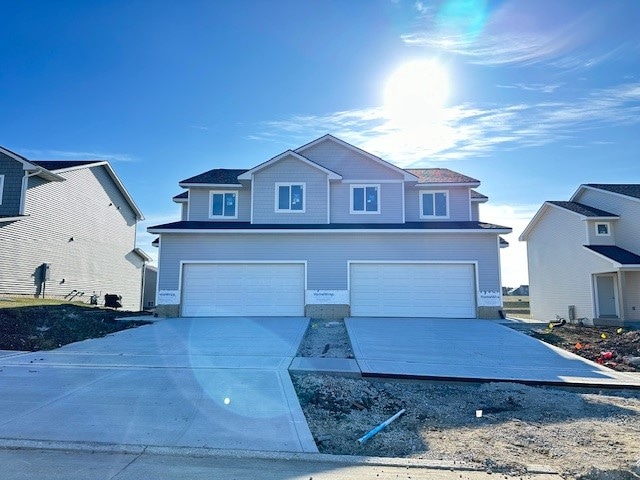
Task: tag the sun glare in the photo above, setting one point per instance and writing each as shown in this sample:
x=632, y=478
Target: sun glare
x=416, y=93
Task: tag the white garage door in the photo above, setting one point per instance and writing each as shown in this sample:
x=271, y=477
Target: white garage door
x=412, y=290
x=243, y=289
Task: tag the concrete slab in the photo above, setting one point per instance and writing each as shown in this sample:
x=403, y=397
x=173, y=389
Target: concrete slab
x=167, y=384
x=345, y=366
x=462, y=349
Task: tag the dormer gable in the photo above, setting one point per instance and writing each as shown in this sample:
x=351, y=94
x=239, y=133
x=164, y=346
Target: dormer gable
x=288, y=154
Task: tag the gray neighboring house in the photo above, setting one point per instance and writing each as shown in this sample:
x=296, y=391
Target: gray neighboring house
x=584, y=256
x=68, y=230
x=328, y=230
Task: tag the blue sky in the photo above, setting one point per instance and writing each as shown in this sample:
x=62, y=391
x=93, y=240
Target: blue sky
x=542, y=95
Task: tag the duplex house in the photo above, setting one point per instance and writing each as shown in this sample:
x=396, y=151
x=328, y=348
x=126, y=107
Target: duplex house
x=68, y=230
x=329, y=230
x=584, y=256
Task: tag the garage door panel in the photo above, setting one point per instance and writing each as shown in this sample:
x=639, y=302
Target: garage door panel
x=412, y=290
x=239, y=289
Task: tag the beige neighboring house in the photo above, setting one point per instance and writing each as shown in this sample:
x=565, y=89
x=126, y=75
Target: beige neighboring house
x=68, y=230
x=584, y=256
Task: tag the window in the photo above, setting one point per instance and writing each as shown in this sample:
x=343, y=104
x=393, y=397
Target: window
x=434, y=205
x=1, y=187
x=602, y=229
x=365, y=198
x=290, y=197
x=223, y=204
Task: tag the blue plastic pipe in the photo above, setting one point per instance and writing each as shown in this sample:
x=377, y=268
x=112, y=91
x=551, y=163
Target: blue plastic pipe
x=380, y=427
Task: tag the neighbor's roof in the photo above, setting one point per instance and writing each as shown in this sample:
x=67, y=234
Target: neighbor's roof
x=217, y=176
x=440, y=175
x=188, y=225
x=617, y=254
x=582, y=209
x=54, y=165
x=627, y=189
x=181, y=197
x=478, y=197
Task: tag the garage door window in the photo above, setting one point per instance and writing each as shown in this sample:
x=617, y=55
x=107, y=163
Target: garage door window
x=434, y=204
x=223, y=205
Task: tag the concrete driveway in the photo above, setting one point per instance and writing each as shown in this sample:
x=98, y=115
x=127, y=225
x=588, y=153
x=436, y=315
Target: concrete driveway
x=462, y=349
x=216, y=383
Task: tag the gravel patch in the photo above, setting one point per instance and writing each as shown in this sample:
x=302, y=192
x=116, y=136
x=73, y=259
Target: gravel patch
x=326, y=338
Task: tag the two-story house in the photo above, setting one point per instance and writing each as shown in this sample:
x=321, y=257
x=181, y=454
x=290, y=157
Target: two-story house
x=68, y=230
x=329, y=230
x=584, y=256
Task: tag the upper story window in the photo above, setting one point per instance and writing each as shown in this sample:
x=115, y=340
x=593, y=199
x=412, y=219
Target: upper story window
x=603, y=229
x=365, y=198
x=290, y=197
x=1, y=188
x=434, y=204
x=224, y=204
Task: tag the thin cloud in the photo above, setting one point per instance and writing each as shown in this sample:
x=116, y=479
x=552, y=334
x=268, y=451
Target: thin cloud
x=533, y=87
x=466, y=130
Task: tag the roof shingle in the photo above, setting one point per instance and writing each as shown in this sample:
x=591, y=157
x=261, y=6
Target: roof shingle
x=217, y=176
x=53, y=165
x=582, y=209
x=440, y=175
x=617, y=254
x=628, y=189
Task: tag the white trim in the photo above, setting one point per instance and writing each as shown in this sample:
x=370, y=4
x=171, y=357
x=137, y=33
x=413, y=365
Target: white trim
x=11, y=219
x=180, y=200
x=1, y=188
x=248, y=175
x=328, y=201
x=404, y=207
x=406, y=175
x=607, y=224
x=471, y=213
x=327, y=230
x=277, y=208
x=96, y=163
x=421, y=193
x=447, y=184
x=616, y=295
x=499, y=272
x=353, y=186
x=159, y=263
x=253, y=189
x=223, y=193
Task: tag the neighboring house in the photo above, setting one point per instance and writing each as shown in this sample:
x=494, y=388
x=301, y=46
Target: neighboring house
x=329, y=230
x=68, y=230
x=521, y=291
x=584, y=257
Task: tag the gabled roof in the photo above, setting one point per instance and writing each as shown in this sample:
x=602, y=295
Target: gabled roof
x=626, y=189
x=181, y=197
x=30, y=166
x=478, y=197
x=503, y=242
x=328, y=137
x=331, y=174
x=584, y=210
x=62, y=166
x=142, y=254
x=217, y=176
x=616, y=254
x=441, y=176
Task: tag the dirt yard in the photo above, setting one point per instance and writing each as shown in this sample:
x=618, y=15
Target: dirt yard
x=30, y=326
x=581, y=434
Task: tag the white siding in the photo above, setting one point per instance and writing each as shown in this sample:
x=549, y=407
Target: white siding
x=560, y=268
x=100, y=257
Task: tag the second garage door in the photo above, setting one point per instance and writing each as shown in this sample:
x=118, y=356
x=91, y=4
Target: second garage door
x=412, y=290
x=243, y=289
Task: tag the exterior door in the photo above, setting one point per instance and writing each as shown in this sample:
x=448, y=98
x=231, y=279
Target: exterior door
x=606, y=295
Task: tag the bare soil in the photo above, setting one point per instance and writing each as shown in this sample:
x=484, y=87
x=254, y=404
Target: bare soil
x=45, y=327
x=578, y=433
x=613, y=347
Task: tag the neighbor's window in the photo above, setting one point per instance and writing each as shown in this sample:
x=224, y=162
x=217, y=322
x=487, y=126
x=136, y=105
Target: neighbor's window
x=290, y=197
x=434, y=204
x=602, y=229
x=224, y=205
x=365, y=198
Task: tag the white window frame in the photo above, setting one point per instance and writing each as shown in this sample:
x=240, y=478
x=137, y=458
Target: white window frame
x=608, y=225
x=223, y=216
x=433, y=192
x=353, y=186
x=1, y=188
x=290, y=184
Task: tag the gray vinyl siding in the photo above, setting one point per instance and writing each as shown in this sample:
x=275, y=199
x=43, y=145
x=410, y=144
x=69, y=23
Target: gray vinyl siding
x=560, y=268
x=593, y=239
x=327, y=254
x=390, y=202
x=458, y=203
x=290, y=170
x=632, y=296
x=627, y=228
x=475, y=212
x=199, y=203
x=349, y=163
x=184, y=211
x=100, y=257
x=11, y=191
